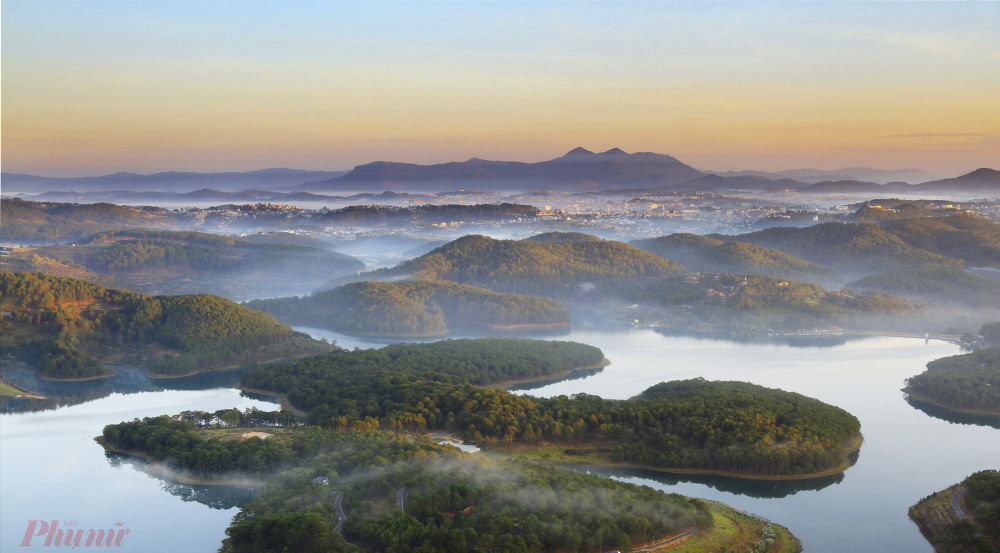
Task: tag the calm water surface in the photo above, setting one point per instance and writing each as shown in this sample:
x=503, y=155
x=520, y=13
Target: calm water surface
x=52, y=469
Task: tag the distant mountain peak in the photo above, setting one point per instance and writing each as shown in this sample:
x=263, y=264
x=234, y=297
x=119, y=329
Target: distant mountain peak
x=614, y=152
x=579, y=151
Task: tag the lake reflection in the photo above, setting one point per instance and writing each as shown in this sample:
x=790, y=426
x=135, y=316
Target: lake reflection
x=52, y=468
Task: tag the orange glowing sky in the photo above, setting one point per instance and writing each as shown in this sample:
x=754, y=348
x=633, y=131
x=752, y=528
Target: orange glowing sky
x=97, y=87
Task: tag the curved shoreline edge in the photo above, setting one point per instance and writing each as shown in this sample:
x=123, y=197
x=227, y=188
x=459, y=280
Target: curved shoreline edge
x=917, y=396
x=854, y=444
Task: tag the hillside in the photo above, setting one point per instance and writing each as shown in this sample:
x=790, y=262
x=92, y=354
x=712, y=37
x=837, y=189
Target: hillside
x=709, y=255
x=944, y=285
x=158, y=261
x=856, y=250
x=67, y=328
x=974, y=240
x=29, y=222
x=414, y=308
x=578, y=269
x=758, y=303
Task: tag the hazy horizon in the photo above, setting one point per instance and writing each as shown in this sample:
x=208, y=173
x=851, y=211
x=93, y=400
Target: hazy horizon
x=99, y=87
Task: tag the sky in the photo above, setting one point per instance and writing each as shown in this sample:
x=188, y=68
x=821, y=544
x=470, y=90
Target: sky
x=95, y=87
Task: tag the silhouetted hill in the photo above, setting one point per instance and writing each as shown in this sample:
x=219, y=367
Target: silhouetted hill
x=173, y=181
x=978, y=180
x=709, y=255
x=579, y=169
x=855, y=174
x=559, y=269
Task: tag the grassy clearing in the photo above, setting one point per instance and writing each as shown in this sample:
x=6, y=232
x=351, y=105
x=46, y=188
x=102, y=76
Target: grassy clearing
x=9, y=390
x=734, y=531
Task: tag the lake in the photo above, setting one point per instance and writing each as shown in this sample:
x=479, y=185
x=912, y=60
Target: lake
x=53, y=470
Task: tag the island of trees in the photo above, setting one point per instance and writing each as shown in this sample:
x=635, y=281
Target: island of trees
x=67, y=328
x=415, y=308
x=723, y=427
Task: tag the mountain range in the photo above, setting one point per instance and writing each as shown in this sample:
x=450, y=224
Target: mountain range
x=578, y=170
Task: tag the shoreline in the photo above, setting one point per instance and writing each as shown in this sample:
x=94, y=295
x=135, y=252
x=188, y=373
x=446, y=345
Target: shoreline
x=282, y=399
x=554, y=377
x=854, y=444
x=162, y=471
x=917, y=396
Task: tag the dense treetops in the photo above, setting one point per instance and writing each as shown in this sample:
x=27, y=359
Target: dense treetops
x=61, y=325
x=399, y=494
x=480, y=361
x=44, y=222
x=853, y=249
x=968, y=382
x=710, y=255
x=736, y=300
x=974, y=240
x=983, y=501
x=729, y=427
x=942, y=284
x=408, y=308
x=561, y=269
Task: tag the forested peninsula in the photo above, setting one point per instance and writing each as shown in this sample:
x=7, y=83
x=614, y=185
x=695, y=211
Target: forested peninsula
x=68, y=328
x=722, y=427
x=415, y=308
x=966, y=383
x=372, y=490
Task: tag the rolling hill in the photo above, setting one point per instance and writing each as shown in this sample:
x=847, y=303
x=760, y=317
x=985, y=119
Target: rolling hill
x=67, y=328
x=414, y=308
x=579, y=269
x=856, y=250
x=709, y=255
x=155, y=261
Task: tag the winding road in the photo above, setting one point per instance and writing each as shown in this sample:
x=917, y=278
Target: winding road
x=658, y=544
x=956, y=503
x=341, y=515
x=399, y=498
